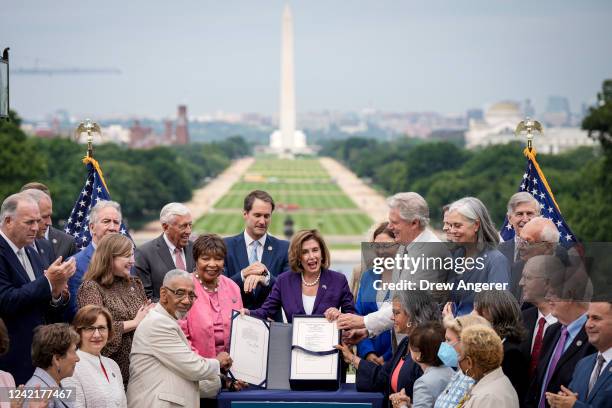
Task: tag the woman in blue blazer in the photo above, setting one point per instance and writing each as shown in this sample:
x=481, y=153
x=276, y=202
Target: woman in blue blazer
x=311, y=288
x=376, y=349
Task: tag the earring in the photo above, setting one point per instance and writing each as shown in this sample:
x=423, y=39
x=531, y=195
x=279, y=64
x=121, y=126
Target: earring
x=59, y=370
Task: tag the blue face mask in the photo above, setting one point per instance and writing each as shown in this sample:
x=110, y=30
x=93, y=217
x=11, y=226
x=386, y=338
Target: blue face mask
x=448, y=355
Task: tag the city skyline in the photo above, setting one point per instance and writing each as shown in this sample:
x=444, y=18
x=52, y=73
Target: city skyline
x=445, y=57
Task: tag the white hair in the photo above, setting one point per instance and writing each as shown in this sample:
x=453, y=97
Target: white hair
x=522, y=197
x=93, y=214
x=171, y=210
x=10, y=204
x=411, y=206
x=173, y=274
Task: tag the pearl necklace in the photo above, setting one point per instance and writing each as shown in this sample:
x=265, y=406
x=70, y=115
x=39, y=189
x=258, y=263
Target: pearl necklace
x=312, y=283
x=206, y=287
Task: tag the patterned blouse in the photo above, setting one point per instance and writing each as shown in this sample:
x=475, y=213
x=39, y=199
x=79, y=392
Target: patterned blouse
x=122, y=299
x=454, y=391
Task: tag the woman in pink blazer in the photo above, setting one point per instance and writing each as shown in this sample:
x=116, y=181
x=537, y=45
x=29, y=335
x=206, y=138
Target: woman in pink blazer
x=207, y=324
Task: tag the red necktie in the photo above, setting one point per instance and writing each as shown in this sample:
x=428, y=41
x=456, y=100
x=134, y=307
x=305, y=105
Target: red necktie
x=537, y=347
x=178, y=256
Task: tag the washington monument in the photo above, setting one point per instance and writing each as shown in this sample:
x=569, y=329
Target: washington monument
x=287, y=140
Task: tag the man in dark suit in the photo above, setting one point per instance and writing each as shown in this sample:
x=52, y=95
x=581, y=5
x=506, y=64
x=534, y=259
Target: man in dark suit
x=171, y=250
x=29, y=295
x=564, y=344
x=254, y=257
x=62, y=244
x=41, y=246
x=538, y=273
x=591, y=384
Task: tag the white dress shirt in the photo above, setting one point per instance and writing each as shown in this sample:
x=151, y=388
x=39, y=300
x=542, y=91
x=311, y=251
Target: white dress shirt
x=172, y=247
x=550, y=319
x=262, y=241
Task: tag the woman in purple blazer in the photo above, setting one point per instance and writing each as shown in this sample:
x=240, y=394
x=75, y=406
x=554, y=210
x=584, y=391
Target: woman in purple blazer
x=310, y=288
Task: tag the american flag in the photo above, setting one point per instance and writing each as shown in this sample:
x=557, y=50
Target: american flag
x=534, y=182
x=93, y=191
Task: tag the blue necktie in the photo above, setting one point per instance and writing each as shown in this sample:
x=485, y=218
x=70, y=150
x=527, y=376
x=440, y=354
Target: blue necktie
x=253, y=252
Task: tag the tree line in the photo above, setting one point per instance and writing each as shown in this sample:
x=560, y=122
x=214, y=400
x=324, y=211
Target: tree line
x=581, y=179
x=142, y=181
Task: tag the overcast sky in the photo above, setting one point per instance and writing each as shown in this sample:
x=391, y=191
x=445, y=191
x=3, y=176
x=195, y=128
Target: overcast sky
x=444, y=55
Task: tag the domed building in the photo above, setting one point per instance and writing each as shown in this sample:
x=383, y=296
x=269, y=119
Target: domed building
x=499, y=123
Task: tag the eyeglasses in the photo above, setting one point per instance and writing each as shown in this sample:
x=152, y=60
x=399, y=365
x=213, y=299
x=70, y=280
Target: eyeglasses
x=182, y=293
x=92, y=329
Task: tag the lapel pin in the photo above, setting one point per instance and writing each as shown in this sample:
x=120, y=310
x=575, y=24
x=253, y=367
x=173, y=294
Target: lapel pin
x=234, y=300
x=324, y=286
x=579, y=343
x=54, y=241
x=269, y=247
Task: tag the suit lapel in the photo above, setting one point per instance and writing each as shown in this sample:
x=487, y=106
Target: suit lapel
x=606, y=374
x=296, y=288
x=241, y=253
x=577, y=344
x=189, y=257
x=35, y=262
x=268, y=250
x=322, y=290
x=164, y=253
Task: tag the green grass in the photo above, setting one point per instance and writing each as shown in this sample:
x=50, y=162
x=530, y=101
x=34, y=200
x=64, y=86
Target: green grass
x=303, y=182
x=328, y=223
x=275, y=188
x=303, y=200
x=284, y=165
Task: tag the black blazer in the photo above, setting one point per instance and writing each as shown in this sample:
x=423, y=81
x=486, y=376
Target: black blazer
x=579, y=348
x=24, y=304
x=153, y=261
x=530, y=321
x=516, y=367
x=375, y=378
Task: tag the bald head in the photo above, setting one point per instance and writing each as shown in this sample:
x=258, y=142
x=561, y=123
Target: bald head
x=540, y=229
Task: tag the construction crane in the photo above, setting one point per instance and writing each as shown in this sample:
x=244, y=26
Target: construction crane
x=64, y=71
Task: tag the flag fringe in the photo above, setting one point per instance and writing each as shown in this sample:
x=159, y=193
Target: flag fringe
x=531, y=155
x=94, y=162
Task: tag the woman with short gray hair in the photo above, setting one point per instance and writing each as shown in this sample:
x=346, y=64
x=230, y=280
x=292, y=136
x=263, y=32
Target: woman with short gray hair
x=477, y=260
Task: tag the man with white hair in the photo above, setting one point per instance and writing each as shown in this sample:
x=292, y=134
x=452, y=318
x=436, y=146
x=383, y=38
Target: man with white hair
x=172, y=249
x=409, y=220
x=164, y=370
x=104, y=218
x=29, y=294
x=522, y=207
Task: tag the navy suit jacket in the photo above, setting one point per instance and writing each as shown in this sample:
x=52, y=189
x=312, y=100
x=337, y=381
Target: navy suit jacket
x=274, y=256
x=562, y=375
x=74, y=283
x=45, y=252
x=333, y=291
x=601, y=394
x=24, y=304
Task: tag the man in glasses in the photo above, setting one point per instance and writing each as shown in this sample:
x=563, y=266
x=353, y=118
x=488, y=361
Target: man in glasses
x=163, y=366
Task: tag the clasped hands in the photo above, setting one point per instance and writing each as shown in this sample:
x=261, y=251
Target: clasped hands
x=565, y=398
